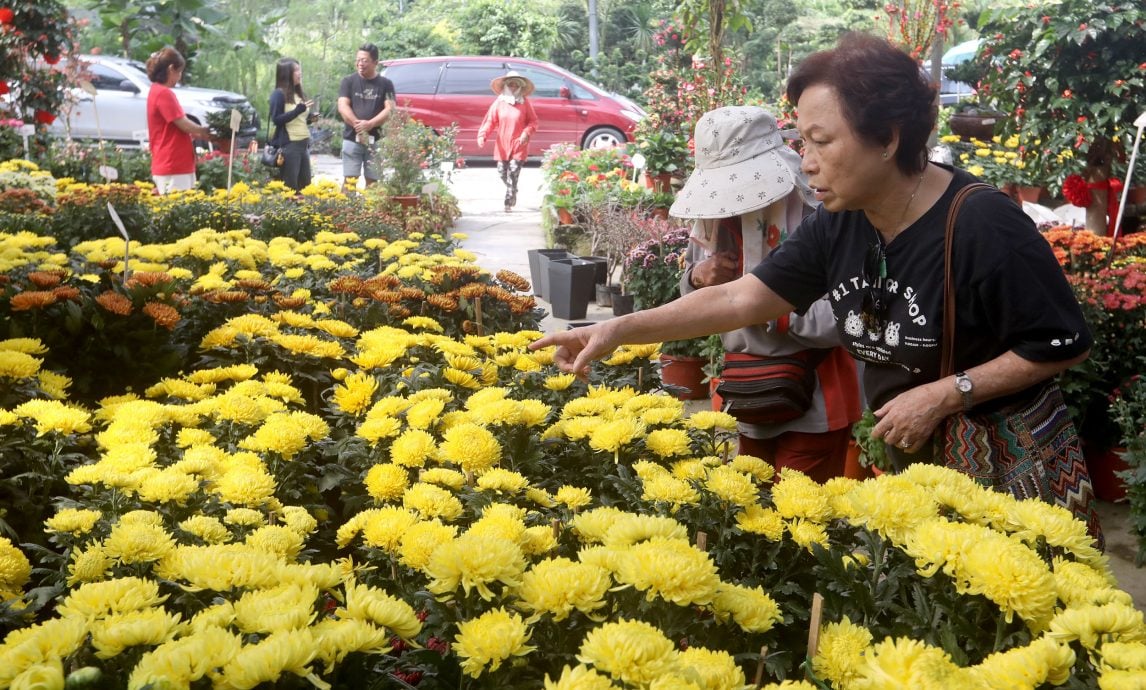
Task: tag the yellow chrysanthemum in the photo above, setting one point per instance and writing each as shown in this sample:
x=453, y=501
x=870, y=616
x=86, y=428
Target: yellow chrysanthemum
x=386, y=482
x=731, y=486
x=356, y=393
x=498, y=479
x=115, y=633
x=666, y=443
x=841, y=650
x=420, y=540
x=376, y=606
x=138, y=543
x=1044, y=660
x=185, y=660
x=471, y=446
x=432, y=501
x=594, y=525
x=573, y=497
x=750, y=608
x=413, y=448
x=559, y=586
x=100, y=599
x=664, y=488
x=489, y=640
x=277, y=539
x=18, y=365
x=670, y=569
x=443, y=476
x=706, y=420
x=612, y=435
x=288, y=606
x=634, y=652
x=906, y=663
x=15, y=569
x=245, y=486
x=383, y=527
x=756, y=519
x=1092, y=624
x=982, y=561
x=579, y=678
x=757, y=468
x=711, y=669
x=265, y=661
x=475, y=562
x=74, y=521
x=207, y=528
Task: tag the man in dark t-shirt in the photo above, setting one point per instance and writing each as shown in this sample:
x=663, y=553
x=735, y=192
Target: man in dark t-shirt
x=365, y=101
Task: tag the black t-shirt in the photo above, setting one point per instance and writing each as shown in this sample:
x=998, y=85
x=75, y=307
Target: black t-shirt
x=1011, y=295
x=367, y=99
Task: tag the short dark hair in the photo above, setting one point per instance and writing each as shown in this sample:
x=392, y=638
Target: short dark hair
x=881, y=88
x=161, y=61
x=371, y=49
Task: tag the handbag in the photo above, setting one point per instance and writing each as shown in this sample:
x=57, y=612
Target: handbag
x=769, y=390
x=1028, y=449
x=272, y=156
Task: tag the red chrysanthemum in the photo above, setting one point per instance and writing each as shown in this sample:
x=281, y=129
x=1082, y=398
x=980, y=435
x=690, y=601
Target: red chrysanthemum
x=1076, y=191
x=44, y=117
x=6, y=16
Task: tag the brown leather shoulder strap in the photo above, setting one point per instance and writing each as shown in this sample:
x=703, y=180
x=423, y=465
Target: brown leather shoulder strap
x=947, y=357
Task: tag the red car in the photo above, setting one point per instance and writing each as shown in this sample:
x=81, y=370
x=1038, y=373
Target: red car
x=440, y=91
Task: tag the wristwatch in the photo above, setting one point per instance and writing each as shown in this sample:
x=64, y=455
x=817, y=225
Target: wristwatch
x=965, y=387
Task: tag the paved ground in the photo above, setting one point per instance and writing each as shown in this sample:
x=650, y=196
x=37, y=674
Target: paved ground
x=500, y=240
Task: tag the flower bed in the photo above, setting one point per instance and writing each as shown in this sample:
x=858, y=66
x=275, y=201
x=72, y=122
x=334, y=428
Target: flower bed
x=328, y=496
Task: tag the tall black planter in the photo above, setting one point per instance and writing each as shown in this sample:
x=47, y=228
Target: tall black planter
x=602, y=267
x=572, y=283
x=539, y=268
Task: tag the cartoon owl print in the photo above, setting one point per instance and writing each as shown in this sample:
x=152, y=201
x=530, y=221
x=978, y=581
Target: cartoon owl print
x=891, y=334
x=853, y=324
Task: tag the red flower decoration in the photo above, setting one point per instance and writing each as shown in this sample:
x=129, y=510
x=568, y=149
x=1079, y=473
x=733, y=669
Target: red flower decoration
x=3, y=87
x=44, y=117
x=6, y=16
x=51, y=59
x=1076, y=191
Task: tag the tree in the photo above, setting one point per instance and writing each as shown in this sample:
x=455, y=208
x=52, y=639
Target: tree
x=516, y=28
x=1075, y=79
x=33, y=32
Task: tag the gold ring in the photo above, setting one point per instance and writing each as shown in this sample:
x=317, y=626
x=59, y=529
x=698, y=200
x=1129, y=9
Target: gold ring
x=905, y=444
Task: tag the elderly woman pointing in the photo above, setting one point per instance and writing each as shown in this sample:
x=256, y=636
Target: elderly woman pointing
x=877, y=248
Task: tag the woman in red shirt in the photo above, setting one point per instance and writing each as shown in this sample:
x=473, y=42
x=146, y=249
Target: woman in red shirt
x=169, y=130
x=514, y=121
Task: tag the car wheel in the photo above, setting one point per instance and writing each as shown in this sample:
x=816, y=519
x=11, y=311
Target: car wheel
x=603, y=138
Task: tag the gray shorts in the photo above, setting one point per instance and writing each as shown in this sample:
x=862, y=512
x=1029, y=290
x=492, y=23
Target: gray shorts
x=354, y=157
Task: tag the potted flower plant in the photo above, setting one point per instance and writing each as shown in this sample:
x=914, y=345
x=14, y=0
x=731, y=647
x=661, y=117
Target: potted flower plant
x=1129, y=410
x=412, y=154
x=219, y=122
x=666, y=153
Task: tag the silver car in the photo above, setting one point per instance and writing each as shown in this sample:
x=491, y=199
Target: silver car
x=120, y=103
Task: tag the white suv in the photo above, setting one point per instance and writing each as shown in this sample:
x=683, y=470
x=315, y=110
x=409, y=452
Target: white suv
x=121, y=103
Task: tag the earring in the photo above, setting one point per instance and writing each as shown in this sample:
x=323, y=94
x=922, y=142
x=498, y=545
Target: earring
x=885, y=155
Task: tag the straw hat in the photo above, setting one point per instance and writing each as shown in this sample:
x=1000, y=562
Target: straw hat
x=499, y=82
x=742, y=164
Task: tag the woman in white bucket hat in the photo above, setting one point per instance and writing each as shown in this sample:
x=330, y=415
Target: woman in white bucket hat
x=512, y=122
x=746, y=194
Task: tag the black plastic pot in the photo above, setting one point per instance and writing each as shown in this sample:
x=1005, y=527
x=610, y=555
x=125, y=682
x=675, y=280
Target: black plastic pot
x=539, y=268
x=622, y=304
x=571, y=286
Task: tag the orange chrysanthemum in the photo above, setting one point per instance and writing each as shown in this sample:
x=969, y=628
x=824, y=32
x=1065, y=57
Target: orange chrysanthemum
x=114, y=302
x=45, y=279
x=162, y=314
x=31, y=299
x=147, y=279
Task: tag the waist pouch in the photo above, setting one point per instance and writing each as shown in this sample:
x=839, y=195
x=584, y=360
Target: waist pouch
x=769, y=390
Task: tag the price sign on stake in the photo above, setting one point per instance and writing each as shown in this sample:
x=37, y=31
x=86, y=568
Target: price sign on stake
x=126, y=240
x=236, y=120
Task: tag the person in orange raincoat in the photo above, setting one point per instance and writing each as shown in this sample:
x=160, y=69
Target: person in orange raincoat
x=512, y=120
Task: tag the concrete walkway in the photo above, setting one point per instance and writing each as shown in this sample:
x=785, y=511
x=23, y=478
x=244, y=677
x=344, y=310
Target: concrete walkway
x=500, y=240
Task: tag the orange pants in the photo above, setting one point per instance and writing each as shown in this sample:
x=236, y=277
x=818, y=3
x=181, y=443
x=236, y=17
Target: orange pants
x=820, y=456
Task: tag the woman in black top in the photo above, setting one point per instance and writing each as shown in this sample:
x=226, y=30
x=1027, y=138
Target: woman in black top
x=290, y=113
